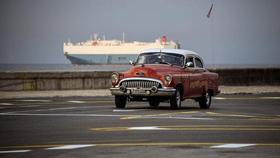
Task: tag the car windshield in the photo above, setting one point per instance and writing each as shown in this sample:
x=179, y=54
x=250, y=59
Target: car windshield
x=161, y=58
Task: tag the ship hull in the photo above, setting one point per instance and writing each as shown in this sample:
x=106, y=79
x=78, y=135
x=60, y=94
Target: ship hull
x=110, y=51
x=93, y=59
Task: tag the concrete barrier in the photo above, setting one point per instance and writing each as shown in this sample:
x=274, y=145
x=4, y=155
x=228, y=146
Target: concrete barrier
x=247, y=77
x=15, y=81
x=18, y=81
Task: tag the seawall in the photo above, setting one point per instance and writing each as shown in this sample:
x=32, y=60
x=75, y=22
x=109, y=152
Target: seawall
x=19, y=81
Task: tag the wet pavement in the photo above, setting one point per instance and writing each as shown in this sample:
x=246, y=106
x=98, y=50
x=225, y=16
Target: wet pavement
x=235, y=125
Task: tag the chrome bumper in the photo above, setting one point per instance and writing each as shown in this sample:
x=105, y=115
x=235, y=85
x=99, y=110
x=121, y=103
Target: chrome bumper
x=167, y=92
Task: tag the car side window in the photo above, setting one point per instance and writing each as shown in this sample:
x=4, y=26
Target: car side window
x=198, y=63
x=190, y=59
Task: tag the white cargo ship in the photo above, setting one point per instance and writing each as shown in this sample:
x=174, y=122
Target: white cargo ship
x=102, y=51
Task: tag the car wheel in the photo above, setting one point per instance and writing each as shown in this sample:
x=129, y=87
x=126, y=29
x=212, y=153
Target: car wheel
x=120, y=101
x=154, y=102
x=175, y=101
x=205, y=101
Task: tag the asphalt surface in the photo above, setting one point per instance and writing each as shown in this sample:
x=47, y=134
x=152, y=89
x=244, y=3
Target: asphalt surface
x=235, y=126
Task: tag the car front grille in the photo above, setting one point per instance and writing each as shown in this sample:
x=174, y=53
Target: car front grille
x=140, y=84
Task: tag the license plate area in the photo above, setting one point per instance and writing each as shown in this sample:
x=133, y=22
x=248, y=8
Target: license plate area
x=138, y=91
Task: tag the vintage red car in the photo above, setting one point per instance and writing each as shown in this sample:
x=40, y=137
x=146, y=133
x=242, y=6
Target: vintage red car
x=160, y=75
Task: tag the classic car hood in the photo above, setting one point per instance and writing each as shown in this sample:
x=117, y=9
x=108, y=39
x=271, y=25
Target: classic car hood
x=151, y=70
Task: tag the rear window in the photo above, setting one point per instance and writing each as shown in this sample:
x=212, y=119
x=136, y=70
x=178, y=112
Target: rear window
x=198, y=63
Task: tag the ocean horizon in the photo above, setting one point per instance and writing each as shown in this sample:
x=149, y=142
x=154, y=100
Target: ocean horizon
x=122, y=67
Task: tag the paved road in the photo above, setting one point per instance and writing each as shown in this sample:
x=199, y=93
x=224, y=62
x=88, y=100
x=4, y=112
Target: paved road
x=235, y=126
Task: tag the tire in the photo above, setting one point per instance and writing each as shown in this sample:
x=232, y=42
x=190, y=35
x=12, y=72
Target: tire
x=154, y=102
x=175, y=100
x=205, y=101
x=120, y=101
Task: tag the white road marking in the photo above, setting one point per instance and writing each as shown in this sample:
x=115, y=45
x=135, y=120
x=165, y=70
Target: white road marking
x=120, y=110
x=178, y=118
x=6, y=104
x=49, y=109
x=67, y=115
x=75, y=146
x=219, y=98
x=75, y=101
x=14, y=151
x=232, y=145
x=35, y=100
x=146, y=128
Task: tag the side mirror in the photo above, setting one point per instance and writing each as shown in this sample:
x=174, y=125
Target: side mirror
x=131, y=62
x=189, y=64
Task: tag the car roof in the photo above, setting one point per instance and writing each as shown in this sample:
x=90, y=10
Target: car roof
x=170, y=50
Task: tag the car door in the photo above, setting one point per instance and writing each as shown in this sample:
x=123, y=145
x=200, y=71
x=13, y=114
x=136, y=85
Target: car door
x=189, y=78
x=200, y=77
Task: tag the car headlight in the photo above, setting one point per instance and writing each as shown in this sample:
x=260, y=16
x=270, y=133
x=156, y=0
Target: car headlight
x=115, y=78
x=168, y=79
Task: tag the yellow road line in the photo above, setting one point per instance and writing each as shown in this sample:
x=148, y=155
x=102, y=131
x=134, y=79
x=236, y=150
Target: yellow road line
x=258, y=117
x=154, y=115
x=266, y=119
x=174, y=126
x=214, y=114
x=228, y=115
x=195, y=128
x=180, y=144
x=224, y=129
x=256, y=126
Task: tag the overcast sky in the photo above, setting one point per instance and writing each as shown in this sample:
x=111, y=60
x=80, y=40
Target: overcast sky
x=238, y=31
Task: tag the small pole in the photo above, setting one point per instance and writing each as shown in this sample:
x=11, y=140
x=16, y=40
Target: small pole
x=123, y=37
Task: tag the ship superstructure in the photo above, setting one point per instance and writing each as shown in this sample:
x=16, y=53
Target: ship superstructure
x=97, y=51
